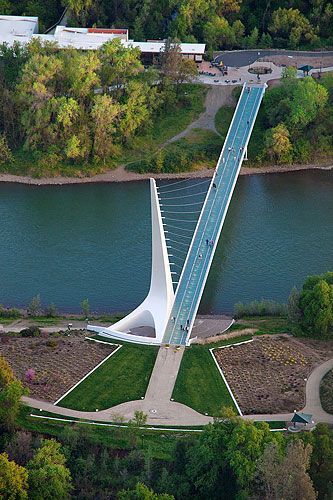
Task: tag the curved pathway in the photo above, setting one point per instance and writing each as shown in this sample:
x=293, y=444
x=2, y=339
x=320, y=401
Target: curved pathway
x=312, y=391
x=162, y=411
x=216, y=97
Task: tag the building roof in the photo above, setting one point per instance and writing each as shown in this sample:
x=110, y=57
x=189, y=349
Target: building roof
x=158, y=46
x=24, y=28
x=17, y=28
x=303, y=418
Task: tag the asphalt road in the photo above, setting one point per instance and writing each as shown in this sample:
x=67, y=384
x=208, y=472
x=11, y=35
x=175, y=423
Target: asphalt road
x=238, y=58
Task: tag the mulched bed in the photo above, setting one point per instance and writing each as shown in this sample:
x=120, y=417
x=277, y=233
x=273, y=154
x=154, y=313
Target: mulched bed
x=267, y=375
x=326, y=392
x=59, y=361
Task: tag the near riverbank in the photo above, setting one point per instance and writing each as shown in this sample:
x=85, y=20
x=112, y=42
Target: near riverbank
x=120, y=174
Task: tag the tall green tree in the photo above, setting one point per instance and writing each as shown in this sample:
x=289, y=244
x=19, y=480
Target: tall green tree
x=49, y=478
x=11, y=391
x=13, y=480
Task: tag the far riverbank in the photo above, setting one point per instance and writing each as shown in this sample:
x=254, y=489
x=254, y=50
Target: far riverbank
x=120, y=174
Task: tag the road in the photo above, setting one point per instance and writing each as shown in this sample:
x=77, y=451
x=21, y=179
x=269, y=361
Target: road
x=206, y=235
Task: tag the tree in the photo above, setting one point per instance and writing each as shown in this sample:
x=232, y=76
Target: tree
x=321, y=464
x=278, y=144
x=11, y=391
x=293, y=309
x=119, y=65
x=285, y=476
x=35, y=306
x=49, y=478
x=5, y=152
x=85, y=307
x=105, y=115
x=13, y=480
x=142, y=492
x=316, y=304
x=290, y=24
x=307, y=99
x=226, y=453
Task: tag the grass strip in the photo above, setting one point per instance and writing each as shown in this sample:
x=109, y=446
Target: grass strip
x=123, y=377
x=199, y=384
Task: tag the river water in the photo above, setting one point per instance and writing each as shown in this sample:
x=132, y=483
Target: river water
x=68, y=243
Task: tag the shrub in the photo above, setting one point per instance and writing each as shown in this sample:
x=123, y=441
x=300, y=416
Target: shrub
x=9, y=313
x=260, y=308
x=32, y=331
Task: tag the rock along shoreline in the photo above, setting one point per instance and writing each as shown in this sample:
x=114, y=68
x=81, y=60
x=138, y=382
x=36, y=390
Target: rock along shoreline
x=121, y=175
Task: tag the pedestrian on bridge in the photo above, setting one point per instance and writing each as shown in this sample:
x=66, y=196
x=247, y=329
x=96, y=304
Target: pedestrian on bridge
x=214, y=185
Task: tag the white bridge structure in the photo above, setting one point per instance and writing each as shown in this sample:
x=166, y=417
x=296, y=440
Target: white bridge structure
x=167, y=316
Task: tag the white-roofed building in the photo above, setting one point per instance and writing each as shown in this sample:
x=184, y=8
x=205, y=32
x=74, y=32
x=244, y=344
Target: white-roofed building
x=17, y=29
x=23, y=29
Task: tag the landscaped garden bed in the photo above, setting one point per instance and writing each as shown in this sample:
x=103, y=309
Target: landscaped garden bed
x=326, y=392
x=269, y=374
x=51, y=365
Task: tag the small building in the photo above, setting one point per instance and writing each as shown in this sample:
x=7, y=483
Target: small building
x=300, y=421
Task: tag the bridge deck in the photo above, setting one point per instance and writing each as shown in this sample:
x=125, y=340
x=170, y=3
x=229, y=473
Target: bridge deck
x=209, y=226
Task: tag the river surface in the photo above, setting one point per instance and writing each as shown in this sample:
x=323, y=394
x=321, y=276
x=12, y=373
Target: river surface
x=72, y=242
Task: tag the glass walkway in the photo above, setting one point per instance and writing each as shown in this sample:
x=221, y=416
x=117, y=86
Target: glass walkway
x=201, y=252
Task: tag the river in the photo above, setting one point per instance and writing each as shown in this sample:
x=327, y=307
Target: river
x=72, y=242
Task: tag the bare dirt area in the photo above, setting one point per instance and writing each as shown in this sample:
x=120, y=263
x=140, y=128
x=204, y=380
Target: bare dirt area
x=59, y=362
x=300, y=60
x=268, y=375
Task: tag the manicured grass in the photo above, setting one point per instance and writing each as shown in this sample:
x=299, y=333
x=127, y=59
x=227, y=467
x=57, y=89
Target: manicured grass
x=123, y=377
x=199, y=383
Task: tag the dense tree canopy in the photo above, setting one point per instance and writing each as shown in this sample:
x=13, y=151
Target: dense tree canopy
x=11, y=391
x=82, y=106
x=220, y=23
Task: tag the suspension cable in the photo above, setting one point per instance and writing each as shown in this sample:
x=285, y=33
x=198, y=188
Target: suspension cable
x=182, y=188
x=173, y=212
x=173, y=183
x=185, y=196
x=179, y=243
x=180, y=228
x=179, y=235
x=182, y=220
x=183, y=204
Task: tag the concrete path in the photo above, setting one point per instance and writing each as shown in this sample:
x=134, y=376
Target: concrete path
x=312, y=390
x=162, y=411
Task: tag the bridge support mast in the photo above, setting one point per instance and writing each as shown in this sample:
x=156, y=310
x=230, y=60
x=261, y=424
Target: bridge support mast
x=155, y=310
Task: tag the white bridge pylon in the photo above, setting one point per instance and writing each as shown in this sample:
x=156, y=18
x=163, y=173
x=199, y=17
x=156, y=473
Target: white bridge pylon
x=153, y=313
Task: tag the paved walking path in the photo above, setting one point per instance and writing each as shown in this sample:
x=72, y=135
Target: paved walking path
x=312, y=391
x=162, y=411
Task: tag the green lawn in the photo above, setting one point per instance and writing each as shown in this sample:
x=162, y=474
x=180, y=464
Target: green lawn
x=199, y=383
x=123, y=377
